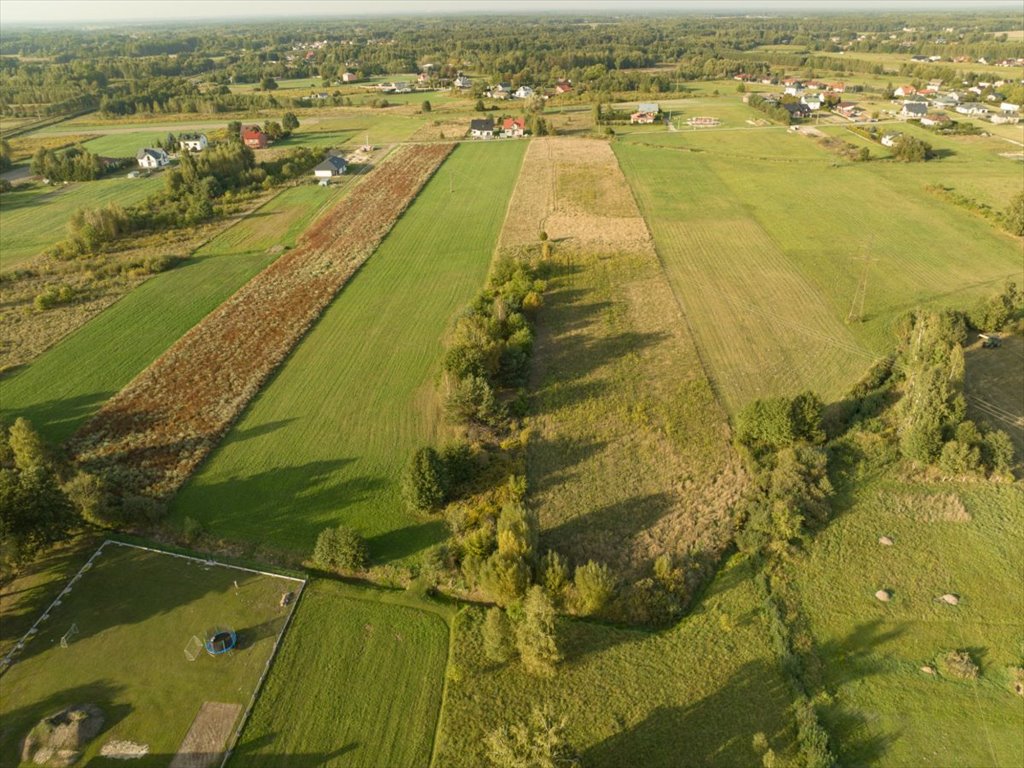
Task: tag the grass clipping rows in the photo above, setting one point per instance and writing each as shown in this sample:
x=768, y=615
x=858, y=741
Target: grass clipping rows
x=152, y=435
x=630, y=455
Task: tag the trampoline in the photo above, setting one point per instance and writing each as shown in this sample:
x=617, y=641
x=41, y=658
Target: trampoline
x=220, y=640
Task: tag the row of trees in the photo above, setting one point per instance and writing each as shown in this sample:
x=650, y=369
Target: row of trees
x=72, y=164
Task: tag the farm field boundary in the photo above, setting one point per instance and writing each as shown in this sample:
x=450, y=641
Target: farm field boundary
x=151, y=436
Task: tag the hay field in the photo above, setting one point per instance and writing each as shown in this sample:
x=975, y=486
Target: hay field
x=358, y=682
x=963, y=539
x=57, y=392
x=791, y=265
x=694, y=694
x=326, y=440
x=630, y=456
x=136, y=611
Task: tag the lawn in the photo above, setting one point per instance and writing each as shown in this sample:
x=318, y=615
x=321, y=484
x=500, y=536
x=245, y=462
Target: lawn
x=136, y=611
x=33, y=219
x=358, y=682
x=327, y=439
x=799, y=288
x=124, y=144
x=882, y=709
x=694, y=694
x=57, y=392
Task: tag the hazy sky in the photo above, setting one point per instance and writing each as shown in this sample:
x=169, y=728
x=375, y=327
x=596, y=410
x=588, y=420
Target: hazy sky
x=108, y=11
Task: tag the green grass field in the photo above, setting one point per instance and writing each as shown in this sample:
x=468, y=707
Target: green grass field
x=60, y=389
x=358, y=682
x=768, y=281
x=694, y=694
x=326, y=440
x=33, y=219
x=948, y=538
x=124, y=144
x=136, y=611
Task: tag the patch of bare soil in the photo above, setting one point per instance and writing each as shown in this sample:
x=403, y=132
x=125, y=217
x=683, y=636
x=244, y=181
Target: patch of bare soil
x=206, y=740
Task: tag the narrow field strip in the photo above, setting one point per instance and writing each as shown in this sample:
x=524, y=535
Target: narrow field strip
x=150, y=436
x=64, y=386
x=630, y=456
x=326, y=440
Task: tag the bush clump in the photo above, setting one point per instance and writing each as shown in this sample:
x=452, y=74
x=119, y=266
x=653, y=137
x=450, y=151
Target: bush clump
x=340, y=548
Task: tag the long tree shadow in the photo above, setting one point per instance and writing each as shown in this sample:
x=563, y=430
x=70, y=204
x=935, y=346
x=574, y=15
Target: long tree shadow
x=57, y=419
x=551, y=461
x=405, y=542
x=604, y=533
x=717, y=730
x=283, y=504
x=20, y=607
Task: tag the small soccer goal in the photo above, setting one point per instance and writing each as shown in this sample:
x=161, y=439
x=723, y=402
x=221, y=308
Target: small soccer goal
x=68, y=636
x=194, y=648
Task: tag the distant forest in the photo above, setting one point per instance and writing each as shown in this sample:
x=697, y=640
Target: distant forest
x=179, y=68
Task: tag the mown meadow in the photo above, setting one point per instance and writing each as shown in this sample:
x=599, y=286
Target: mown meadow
x=358, y=682
x=326, y=440
x=791, y=265
x=66, y=384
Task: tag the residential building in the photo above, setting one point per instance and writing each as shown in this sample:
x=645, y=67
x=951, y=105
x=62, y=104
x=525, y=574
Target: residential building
x=152, y=158
x=333, y=165
x=513, y=127
x=193, y=142
x=254, y=137
x=646, y=112
x=482, y=129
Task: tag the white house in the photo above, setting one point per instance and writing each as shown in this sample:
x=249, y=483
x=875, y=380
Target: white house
x=904, y=90
x=481, y=129
x=972, y=108
x=461, y=81
x=1009, y=109
x=331, y=166
x=349, y=77
x=152, y=158
x=794, y=90
x=523, y=92
x=890, y=139
x=812, y=101
x=193, y=142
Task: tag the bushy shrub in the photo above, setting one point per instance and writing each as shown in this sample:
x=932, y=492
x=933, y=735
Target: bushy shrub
x=594, y=586
x=536, y=637
x=504, y=579
x=425, y=482
x=340, y=548
x=957, y=665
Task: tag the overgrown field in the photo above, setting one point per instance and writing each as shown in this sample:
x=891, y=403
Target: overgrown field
x=798, y=288
x=57, y=392
x=695, y=694
x=33, y=219
x=882, y=708
x=357, y=682
x=150, y=436
x=328, y=438
x=136, y=612
x=630, y=456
